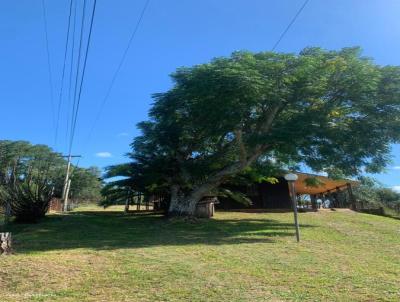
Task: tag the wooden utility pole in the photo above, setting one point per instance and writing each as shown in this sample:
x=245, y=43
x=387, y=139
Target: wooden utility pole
x=67, y=182
x=67, y=195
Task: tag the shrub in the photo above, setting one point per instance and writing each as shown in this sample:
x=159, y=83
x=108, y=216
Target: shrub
x=29, y=201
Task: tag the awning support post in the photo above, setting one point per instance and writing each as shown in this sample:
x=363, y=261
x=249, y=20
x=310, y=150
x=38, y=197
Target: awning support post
x=352, y=198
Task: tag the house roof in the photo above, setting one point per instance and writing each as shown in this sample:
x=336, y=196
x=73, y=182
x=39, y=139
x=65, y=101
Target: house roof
x=326, y=184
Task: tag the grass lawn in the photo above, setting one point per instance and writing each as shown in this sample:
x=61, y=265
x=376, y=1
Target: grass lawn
x=93, y=254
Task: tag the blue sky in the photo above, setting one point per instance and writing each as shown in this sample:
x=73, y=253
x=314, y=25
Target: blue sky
x=173, y=33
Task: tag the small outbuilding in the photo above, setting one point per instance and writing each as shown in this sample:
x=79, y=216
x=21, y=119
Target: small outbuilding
x=206, y=207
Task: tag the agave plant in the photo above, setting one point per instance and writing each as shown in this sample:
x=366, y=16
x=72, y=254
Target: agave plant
x=29, y=200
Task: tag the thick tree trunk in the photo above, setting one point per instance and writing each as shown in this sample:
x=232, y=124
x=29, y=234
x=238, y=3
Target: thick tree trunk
x=184, y=204
x=181, y=204
x=182, y=207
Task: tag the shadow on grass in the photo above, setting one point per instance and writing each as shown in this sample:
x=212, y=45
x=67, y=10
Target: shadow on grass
x=115, y=230
x=258, y=210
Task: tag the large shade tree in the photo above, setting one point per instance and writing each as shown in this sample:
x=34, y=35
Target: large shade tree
x=334, y=111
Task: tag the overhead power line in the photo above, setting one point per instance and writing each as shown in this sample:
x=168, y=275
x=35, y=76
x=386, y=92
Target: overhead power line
x=121, y=62
x=48, y=62
x=63, y=72
x=77, y=92
x=78, y=60
x=74, y=120
x=290, y=24
x=71, y=73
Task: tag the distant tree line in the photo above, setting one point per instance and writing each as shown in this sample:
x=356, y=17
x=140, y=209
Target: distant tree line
x=370, y=194
x=31, y=175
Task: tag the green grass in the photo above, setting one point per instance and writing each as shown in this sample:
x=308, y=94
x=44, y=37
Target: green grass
x=389, y=212
x=97, y=255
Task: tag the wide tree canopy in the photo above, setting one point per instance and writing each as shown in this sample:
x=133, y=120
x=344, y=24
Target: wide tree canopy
x=334, y=111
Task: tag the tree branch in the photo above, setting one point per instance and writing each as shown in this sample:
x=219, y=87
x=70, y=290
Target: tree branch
x=241, y=145
x=216, y=179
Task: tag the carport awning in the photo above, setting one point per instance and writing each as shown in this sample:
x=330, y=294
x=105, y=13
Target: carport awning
x=326, y=184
